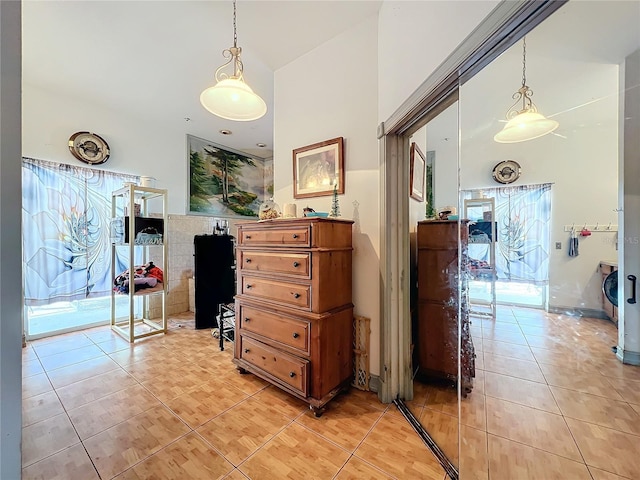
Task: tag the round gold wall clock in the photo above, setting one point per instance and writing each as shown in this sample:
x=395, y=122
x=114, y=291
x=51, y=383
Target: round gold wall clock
x=507, y=171
x=89, y=148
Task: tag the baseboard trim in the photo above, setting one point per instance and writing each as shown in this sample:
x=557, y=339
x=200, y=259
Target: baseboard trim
x=579, y=312
x=374, y=383
x=630, y=358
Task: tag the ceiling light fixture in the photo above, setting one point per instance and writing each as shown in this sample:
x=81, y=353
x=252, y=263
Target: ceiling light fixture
x=528, y=123
x=231, y=98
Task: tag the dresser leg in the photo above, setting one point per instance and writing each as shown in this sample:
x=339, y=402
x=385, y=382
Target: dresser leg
x=241, y=370
x=317, y=411
x=467, y=386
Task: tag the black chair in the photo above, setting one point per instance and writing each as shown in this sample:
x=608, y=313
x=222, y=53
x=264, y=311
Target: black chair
x=226, y=323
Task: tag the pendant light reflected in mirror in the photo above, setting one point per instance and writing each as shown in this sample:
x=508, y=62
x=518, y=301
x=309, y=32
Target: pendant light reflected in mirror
x=231, y=98
x=526, y=123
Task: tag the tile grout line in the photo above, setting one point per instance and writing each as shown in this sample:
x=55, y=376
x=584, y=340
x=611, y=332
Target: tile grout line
x=575, y=441
x=191, y=429
x=352, y=453
x=559, y=409
x=55, y=391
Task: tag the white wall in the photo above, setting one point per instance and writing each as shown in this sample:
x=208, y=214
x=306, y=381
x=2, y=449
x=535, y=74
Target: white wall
x=138, y=145
x=582, y=163
x=414, y=38
x=332, y=92
x=442, y=138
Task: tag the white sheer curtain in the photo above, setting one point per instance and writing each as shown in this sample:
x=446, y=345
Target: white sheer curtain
x=66, y=212
x=523, y=214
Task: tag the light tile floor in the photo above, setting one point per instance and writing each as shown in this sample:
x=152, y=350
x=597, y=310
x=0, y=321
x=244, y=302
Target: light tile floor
x=174, y=407
x=549, y=401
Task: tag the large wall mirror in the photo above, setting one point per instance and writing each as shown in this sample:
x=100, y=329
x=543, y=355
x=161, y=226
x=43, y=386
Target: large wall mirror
x=539, y=225
x=433, y=271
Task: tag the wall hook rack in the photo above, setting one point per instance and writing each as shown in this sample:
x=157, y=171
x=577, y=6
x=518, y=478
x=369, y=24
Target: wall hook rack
x=609, y=228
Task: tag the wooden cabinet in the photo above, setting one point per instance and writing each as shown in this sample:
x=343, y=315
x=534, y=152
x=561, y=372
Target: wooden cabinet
x=609, y=308
x=294, y=320
x=441, y=308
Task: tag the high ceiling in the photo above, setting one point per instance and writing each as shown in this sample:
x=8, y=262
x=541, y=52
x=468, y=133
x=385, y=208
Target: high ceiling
x=577, y=40
x=151, y=59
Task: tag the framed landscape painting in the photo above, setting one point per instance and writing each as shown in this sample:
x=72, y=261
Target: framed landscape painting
x=225, y=182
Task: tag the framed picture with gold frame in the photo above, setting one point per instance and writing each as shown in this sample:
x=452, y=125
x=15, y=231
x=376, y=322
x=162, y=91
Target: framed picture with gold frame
x=417, y=164
x=318, y=169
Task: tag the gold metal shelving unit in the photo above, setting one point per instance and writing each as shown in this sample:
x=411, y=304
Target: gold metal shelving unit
x=127, y=232
x=474, y=208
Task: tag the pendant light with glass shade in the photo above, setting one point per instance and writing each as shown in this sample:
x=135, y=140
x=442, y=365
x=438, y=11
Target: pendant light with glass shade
x=527, y=123
x=231, y=98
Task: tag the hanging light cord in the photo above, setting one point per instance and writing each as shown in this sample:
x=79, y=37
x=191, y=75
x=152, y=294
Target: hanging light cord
x=231, y=98
x=233, y=54
x=235, y=35
x=524, y=60
x=524, y=93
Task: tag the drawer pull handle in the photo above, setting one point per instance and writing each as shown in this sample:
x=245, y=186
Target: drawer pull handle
x=292, y=374
x=295, y=235
x=246, y=350
x=296, y=264
x=296, y=295
x=296, y=334
x=247, y=237
x=248, y=286
x=248, y=260
x=247, y=319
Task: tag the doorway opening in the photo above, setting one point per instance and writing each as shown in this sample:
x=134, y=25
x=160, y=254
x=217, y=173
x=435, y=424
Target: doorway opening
x=67, y=316
x=522, y=294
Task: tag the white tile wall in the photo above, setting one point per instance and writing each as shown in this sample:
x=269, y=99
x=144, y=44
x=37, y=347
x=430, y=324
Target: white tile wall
x=182, y=229
x=192, y=295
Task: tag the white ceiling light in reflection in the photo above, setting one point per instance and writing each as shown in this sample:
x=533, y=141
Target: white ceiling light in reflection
x=525, y=123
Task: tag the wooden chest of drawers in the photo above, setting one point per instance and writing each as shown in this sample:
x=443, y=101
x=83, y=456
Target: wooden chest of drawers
x=294, y=316
x=440, y=307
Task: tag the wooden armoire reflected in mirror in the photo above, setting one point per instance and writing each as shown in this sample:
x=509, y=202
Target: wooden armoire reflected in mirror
x=441, y=305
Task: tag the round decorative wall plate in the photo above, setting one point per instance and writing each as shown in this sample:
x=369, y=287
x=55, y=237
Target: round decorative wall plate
x=89, y=148
x=507, y=171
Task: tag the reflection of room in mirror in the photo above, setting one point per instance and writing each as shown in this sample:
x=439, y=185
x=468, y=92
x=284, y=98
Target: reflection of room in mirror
x=541, y=365
x=546, y=345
